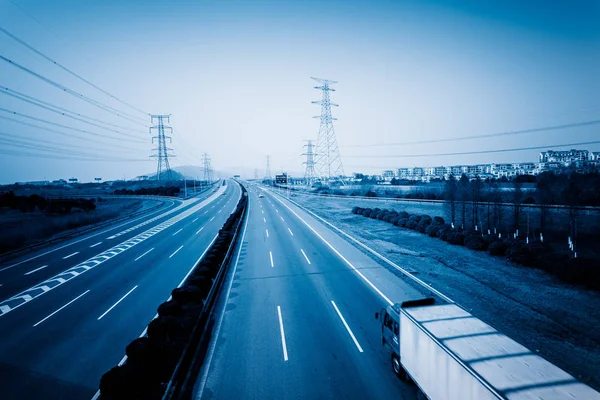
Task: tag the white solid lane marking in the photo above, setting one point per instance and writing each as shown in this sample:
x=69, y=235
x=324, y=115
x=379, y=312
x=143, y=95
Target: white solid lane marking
x=175, y=252
x=195, y=220
x=304, y=254
x=114, y=305
x=177, y=232
x=379, y=292
x=264, y=219
x=35, y=270
x=70, y=255
x=37, y=323
x=271, y=257
x=97, y=244
x=285, y=354
x=347, y=327
x=263, y=211
x=266, y=230
x=282, y=218
x=291, y=233
x=276, y=210
x=199, y=230
x=218, y=212
x=211, y=219
x=144, y=254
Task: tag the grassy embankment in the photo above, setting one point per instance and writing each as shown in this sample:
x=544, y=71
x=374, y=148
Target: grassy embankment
x=19, y=229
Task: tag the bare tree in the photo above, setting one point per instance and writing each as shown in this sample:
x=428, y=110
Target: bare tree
x=463, y=195
x=450, y=196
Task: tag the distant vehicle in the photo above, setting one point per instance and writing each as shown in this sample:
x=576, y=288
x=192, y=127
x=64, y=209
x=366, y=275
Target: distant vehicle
x=223, y=194
x=449, y=354
x=261, y=195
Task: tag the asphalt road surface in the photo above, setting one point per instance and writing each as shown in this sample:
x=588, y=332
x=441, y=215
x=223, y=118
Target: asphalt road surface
x=299, y=314
x=67, y=312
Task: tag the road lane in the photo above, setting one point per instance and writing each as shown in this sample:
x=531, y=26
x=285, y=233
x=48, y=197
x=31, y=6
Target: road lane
x=64, y=356
x=15, y=280
x=333, y=344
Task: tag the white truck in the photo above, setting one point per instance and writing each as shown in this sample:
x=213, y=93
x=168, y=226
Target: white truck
x=451, y=355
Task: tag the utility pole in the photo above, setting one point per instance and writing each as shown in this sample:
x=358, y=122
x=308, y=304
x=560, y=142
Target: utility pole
x=207, y=168
x=162, y=150
x=268, y=170
x=328, y=161
x=309, y=173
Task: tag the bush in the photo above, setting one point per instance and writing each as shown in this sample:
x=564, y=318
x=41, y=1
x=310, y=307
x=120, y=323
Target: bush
x=411, y=223
x=170, y=308
x=401, y=222
x=370, y=193
x=404, y=214
x=424, y=222
x=415, y=218
x=394, y=220
x=475, y=242
x=373, y=214
x=446, y=233
x=433, y=230
x=382, y=215
x=366, y=212
x=581, y=271
x=457, y=238
x=355, y=210
x=438, y=221
x=519, y=253
x=497, y=248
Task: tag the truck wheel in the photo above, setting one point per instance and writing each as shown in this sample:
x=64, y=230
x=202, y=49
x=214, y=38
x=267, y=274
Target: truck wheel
x=398, y=369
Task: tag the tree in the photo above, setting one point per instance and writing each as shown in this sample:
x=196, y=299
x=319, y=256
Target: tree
x=450, y=196
x=517, y=198
x=476, y=189
x=463, y=195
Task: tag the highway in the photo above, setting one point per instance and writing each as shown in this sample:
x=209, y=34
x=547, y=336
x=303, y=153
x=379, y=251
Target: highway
x=67, y=312
x=298, y=320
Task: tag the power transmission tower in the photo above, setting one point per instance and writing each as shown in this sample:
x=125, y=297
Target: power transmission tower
x=268, y=171
x=328, y=161
x=163, y=170
x=207, y=168
x=309, y=173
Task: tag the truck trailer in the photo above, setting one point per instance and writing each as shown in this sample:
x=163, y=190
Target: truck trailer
x=452, y=355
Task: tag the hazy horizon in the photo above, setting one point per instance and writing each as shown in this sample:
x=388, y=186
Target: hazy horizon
x=235, y=77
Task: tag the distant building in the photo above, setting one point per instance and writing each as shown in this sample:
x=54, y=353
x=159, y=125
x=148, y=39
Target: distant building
x=567, y=156
x=35, y=183
x=581, y=160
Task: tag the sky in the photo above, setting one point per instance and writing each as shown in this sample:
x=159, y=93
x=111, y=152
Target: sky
x=235, y=78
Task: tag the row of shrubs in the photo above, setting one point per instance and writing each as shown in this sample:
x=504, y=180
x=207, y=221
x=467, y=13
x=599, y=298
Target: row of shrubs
x=30, y=203
x=150, y=191
x=535, y=253
x=151, y=359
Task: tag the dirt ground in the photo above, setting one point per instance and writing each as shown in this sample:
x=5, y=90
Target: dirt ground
x=559, y=321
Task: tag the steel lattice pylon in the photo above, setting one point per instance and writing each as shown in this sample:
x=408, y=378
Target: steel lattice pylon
x=309, y=173
x=327, y=156
x=163, y=170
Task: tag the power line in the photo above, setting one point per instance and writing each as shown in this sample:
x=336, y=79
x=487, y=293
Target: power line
x=20, y=95
x=68, y=70
x=49, y=149
x=67, y=114
x=480, y=151
x=68, y=127
x=520, y=132
x=37, y=155
x=62, y=133
x=35, y=141
x=72, y=92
